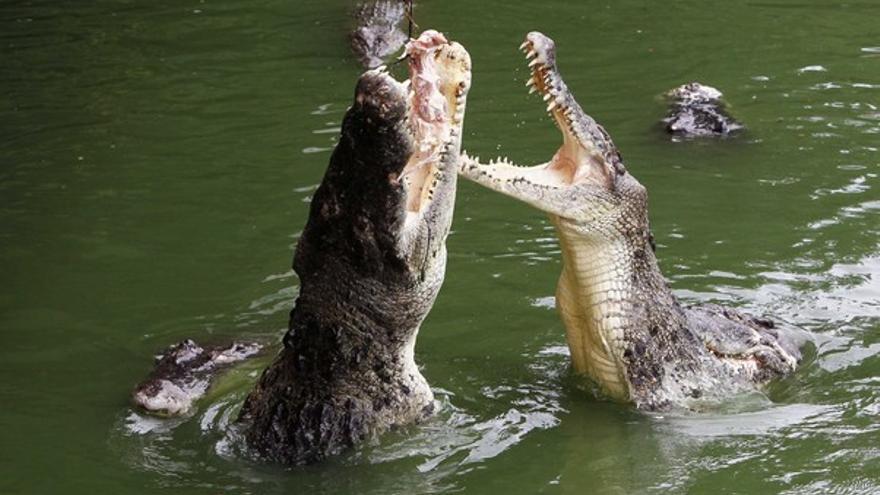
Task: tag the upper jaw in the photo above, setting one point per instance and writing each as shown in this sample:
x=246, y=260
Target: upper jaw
x=587, y=152
x=547, y=81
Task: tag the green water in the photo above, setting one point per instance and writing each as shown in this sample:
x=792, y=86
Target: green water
x=156, y=162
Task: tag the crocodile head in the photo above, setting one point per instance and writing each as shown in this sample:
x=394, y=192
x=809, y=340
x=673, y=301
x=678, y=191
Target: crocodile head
x=697, y=110
x=385, y=203
x=585, y=181
x=183, y=373
x=378, y=34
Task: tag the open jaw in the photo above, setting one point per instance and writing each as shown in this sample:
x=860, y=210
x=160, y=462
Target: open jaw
x=440, y=76
x=587, y=153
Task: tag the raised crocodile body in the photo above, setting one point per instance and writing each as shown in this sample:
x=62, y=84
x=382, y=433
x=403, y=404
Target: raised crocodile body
x=370, y=261
x=377, y=34
x=624, y=327
x=183, y=374
x=697, y=110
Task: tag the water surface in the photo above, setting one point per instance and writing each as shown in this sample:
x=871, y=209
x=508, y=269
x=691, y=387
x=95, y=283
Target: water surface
x=157, y=163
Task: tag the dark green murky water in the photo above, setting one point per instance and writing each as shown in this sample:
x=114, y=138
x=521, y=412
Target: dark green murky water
x=157, y=160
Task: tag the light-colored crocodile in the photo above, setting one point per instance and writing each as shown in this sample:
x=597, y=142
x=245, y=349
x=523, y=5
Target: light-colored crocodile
x=624, y=327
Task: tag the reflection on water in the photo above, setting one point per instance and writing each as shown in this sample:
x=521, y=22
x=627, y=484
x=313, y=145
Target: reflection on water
x=767, y=421
x=330, y=130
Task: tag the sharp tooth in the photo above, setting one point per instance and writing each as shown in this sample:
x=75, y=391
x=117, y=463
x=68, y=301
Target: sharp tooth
x=532, y=89
x=531, y=81
x=547, y=97
x=531, y=53
x=533, y=63
x=524, y=45
x=551, y=106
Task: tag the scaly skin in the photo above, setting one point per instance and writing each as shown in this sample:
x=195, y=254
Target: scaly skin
x=370, y=261
x=378, y=34
x=625, y=328
x=696, y=110
x=183, y=374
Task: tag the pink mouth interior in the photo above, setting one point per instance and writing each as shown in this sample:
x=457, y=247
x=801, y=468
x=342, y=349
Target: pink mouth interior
x=429, y=115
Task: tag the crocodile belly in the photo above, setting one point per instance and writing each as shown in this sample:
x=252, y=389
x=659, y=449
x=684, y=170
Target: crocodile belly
x=591, y=353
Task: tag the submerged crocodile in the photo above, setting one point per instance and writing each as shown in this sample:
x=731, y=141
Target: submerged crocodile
x=377, y=34
x=697, y=110
x=183, y=374
x=371, y=261
x=625, y=328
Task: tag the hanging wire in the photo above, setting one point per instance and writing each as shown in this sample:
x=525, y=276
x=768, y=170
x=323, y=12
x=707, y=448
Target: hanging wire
x=409, y=17
x=408, y=12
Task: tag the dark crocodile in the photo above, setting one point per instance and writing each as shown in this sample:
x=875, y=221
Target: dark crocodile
x=624, y=326
x=371, y=261
x=378, y=33
x=697, y=110
x=183, y=374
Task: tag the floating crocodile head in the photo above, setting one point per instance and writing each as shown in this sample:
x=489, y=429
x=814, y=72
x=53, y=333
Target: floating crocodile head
x=370, y=262
x=183, y=373
x=624, y=327
x=697, y=110
x=378, y=34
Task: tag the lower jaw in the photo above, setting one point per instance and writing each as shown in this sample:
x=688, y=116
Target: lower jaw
x=419, y=179
x=438, y=135
x=420, y=172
